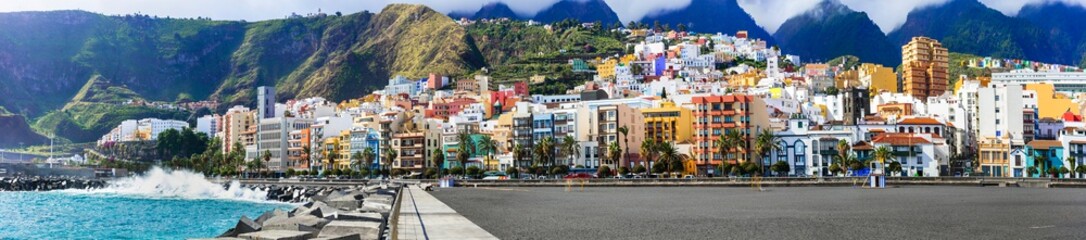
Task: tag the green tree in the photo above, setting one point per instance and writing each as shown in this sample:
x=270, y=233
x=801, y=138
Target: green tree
x=1063, y=170
x=368, y=156
x=544, y=151
x=437, y=158
x=614, y=153
x=1031, y=171
x=356, y=160
x=1080, y=169
x=571, y=148
x=639, y=169
x=390, y=157
x=670, y=155
x=625, y=132
x=765, y=143
x=456, y=170
x=518, y=156
x=648, y=152
x=894, y=167
x=1072, y=165
x=473, y=171
x=781, y=168
x=1052, y=171
x=489, y=146
x=603, y=172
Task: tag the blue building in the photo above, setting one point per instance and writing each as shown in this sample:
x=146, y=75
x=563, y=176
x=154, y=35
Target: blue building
x=1044, y=155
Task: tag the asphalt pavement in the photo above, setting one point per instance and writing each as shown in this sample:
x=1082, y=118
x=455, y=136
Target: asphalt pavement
x=911, y=212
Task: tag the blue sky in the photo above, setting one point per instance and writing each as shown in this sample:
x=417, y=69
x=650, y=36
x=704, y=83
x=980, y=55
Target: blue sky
x=888, y=14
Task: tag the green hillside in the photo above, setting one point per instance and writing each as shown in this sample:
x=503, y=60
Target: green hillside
x=71, y=70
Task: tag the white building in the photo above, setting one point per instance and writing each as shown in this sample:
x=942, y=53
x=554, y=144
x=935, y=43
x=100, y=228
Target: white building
x=1068, y=82
x=272, y=137
x=141, y=130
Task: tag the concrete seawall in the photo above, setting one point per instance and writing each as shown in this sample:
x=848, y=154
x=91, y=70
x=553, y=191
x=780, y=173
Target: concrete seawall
x=717, y=182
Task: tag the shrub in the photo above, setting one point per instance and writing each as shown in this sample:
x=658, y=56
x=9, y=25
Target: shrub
x=363, y=172
x=623, y=171
x=639, y=169
x=398, y=172
x=457, y=170
x=473, y=171
x=559, y=170
x=603, y=172
x=512, y=171
x=290, y=172
x=430, y=173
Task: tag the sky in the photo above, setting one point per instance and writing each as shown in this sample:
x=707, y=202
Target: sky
x=770, y=14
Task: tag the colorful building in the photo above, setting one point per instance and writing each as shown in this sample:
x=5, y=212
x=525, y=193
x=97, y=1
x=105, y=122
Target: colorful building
x=668, y=123
x=924, y=68
x=716, y=115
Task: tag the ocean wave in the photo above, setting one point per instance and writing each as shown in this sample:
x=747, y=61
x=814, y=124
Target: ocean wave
x=177, y=184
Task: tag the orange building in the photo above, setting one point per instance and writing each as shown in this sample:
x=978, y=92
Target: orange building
x=716, y=115
x=924, y=68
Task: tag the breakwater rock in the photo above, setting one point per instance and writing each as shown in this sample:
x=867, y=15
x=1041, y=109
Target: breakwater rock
x=341, y=212
x=48, y=183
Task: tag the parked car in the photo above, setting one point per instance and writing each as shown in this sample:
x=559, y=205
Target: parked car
x=579, y=176
x=689, y=177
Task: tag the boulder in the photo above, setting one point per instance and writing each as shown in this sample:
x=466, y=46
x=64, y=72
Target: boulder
x=296, y=223
x=365, y=229
x=244, y=225
x=277, y=235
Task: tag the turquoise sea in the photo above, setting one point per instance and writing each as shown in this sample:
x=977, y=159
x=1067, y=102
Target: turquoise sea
x=158, y=205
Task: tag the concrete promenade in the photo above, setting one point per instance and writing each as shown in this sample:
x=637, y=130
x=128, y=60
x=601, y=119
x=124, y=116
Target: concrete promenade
x=422, y=216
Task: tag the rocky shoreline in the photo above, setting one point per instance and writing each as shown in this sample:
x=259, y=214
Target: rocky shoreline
x=49, y=183
x=355, y=212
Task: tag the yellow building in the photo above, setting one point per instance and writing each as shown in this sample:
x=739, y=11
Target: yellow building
x=1051, y=104
x=846, y=79
x=627, y=59
x=331, y=149
x=669, y=123
x=993, y=156
x=748, y=79
x=343, y=160
x=878, y=77
x=606, y=69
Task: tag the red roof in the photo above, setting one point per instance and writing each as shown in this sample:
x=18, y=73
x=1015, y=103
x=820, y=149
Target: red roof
x=920, y=121
x=900, y=139
x=1071, y=117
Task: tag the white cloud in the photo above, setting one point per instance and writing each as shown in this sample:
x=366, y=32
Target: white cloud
x=770, y=14
x=887, y=14
x=1011, y=8
x=634, y=10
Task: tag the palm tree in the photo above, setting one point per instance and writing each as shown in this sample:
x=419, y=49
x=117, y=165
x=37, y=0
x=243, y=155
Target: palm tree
x=882, y=154
x=626, y=138
x=438, y=159
x=356, y=160
x=1039, y=161
x=391, y=155
x=518, y=155
x=571, y=147
x=614, y=153
x=1071, y=162
x=464, y=148
x=544, y=151
x=668, y=155
x=267, y=157
x=733, y=140
x=368, y=155
x=488, y=145
x=648, y=151
x=765, y=143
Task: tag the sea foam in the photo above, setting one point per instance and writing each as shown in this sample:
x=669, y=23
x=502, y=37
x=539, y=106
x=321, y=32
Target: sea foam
x=183, y=184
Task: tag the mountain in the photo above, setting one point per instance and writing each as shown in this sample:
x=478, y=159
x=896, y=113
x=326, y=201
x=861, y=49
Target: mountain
x=968, y=26
x=494, y=10
x=582, y=10
x=1061, y=21
x=830, y=30
x=48, y=60
x=711, y=16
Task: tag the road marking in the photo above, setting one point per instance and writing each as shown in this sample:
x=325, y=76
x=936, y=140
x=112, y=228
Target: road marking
x=503, y=189
x=1040, y=227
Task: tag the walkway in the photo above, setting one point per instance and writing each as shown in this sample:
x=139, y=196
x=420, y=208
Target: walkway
x=424, y=217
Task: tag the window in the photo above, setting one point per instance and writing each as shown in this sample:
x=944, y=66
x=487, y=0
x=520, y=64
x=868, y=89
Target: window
x=919, y=160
